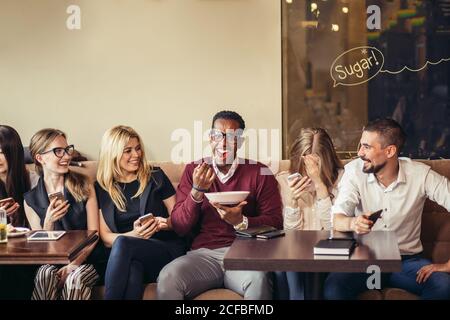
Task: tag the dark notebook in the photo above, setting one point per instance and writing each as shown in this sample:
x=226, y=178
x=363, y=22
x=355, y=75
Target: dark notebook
x=334, y=247
x=253, y=232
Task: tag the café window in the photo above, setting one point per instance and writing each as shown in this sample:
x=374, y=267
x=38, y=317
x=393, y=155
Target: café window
x=348, y=62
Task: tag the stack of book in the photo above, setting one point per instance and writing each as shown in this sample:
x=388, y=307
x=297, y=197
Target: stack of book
x=335, y=247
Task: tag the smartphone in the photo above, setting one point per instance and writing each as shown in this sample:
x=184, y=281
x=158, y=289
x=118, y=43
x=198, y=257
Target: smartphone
x=374, y=216
x=58, y=195
x=270, y=235
x=145, y=218
x=6, y=202
x=294, y=176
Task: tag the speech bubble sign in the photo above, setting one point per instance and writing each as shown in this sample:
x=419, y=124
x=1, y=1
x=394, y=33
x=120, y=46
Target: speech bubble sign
x=354, y=66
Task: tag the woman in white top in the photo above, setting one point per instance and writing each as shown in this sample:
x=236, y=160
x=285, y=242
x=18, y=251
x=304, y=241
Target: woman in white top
x=307, y=204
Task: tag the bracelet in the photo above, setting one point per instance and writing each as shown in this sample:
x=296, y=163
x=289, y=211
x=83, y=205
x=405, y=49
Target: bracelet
x=197, y=188
x=196, y=201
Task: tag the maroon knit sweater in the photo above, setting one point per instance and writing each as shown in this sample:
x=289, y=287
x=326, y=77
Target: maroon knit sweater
x=264, y=206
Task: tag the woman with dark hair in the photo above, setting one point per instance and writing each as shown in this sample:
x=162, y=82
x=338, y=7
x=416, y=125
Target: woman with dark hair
x=15, y=180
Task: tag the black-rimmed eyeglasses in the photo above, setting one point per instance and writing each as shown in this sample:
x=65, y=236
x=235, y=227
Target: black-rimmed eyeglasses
x=59, y=152
x=231, y=136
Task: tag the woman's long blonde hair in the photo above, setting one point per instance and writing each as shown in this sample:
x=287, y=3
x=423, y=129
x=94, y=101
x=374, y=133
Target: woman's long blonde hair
x=109, y=172
x=317, y=141
x=76, y=183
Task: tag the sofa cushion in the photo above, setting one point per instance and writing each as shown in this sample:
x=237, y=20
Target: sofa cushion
x=398, y=294
x=435, y=233
x=371, y=295
x=219, y=294
x=98, y=293
x=436, y=221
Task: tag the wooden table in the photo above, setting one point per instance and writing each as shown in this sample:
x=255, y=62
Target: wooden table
x=63, y=251
x=294, y=252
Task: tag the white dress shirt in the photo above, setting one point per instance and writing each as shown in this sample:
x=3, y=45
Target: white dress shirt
x=225, y=177
x=402, y=201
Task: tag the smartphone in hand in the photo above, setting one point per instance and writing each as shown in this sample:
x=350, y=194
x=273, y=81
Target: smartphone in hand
x=145, y=218
x=58, y=195
x=375, y=216
x=293, y=176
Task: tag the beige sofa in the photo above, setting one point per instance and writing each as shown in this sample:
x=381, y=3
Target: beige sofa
x=435, y=231
x=174, y=172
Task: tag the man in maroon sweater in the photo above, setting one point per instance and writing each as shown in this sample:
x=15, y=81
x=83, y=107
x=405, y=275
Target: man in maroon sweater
x=214, y=225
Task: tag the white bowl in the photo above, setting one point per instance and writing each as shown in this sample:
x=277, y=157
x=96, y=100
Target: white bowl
x=228, y=197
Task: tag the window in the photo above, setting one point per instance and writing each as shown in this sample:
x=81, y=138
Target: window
x=318, y=33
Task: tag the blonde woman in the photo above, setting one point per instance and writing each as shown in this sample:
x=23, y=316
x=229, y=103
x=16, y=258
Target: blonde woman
x=79, y=211
x=307, y=205
x=129, y=188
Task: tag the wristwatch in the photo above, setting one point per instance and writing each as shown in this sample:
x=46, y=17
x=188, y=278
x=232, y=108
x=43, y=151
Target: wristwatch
x=243, y=225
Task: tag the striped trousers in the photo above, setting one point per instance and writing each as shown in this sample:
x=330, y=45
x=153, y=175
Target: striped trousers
x=77, y=286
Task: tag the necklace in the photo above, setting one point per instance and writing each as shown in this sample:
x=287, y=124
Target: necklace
x=122, y=186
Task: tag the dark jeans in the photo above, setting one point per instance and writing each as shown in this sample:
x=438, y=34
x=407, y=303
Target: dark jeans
x=99, y=259
x=346, y=286
x=289, y=285
x=133, y=262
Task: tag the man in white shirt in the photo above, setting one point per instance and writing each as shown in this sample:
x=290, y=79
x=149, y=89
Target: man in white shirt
x=399, y=186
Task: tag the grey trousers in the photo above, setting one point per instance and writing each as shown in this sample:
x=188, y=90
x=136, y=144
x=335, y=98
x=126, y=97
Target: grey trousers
x=202, y=269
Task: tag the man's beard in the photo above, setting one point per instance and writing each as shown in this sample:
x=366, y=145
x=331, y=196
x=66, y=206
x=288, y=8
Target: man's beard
x=373, y=169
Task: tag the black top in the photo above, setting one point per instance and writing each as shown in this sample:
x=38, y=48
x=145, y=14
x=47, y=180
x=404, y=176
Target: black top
x=124, y=220
x=74, y=219
x=158, y=189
